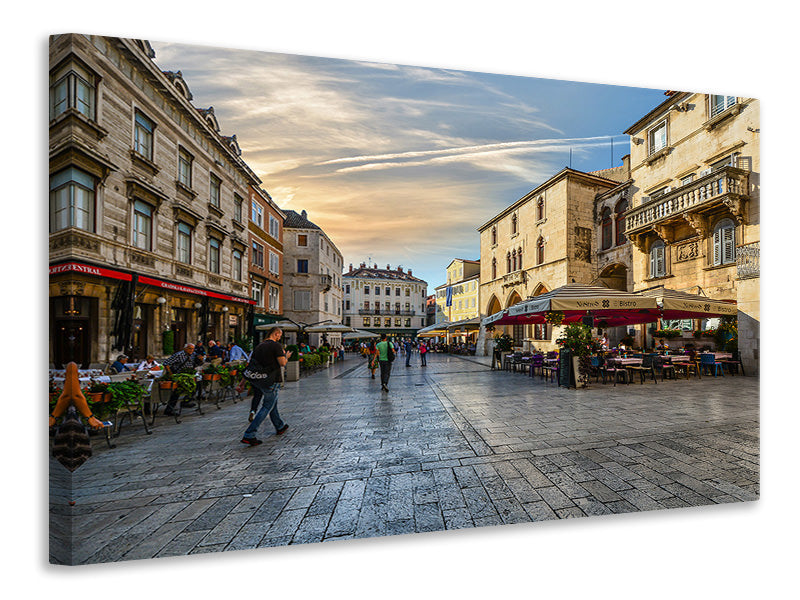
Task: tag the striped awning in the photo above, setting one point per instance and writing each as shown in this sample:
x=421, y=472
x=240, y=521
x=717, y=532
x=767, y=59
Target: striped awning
x=683, y=305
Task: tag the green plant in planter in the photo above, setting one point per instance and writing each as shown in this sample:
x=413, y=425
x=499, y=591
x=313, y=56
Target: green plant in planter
x=577, y=337
x=168, y=342
x=245, y=343
x=186, y=383
x=311, y=360
x=225, y=377
x=293, y=352
x=323, y=356
x=98, y=387
x=125, y=393
x=503, y=342
x=667, y=333
x=212, y=369
x=726, y=336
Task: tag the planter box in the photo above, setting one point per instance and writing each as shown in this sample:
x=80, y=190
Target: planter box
x=293, y=370
x=211, y=376
x=167, y=385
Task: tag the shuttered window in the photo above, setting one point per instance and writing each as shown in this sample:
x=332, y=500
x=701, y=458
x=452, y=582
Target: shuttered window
x=657, y=261
x=606, y=228
x=724, y=242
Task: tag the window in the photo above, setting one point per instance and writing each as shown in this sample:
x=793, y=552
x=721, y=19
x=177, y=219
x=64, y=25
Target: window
x=274, y=227
x=237, y=208
x=494, y=236
x=717, y=104
x=657, y=259
x=688, y=179
x=377, y=290
x=258, y=255
x=540, y=332
x=184, y=243
x=519, y=258
x=620, y=209
x=408, y=322
x=347, y=304
x=274, y=263
x=396, y=307
x=72, y=86
x=387, y=322
x=398, y=322
x=514, y=225
x=408, y=292
x=258, y=293
x=508, y=262
x=302, y=300
x=367, y=321
x=274, y=298
x=396, y=291
x=657, y=138
x=185, y=167
x=302, y=239
x=72, y=198
x=540, y=208
x=347, y=288
x=257, y=214
x=302, y=265
x=236, y=267
x=388, y=306
x=494, y=268
x=142, y=225
x=143, y=136
x=606, y=228
x=213, y=255
x=214, y=191
x=366, y=290
x=540, y=251
x=514, y=260
x=724, y=242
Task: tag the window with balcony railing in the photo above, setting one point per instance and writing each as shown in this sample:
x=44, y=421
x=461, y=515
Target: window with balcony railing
x=718, y=104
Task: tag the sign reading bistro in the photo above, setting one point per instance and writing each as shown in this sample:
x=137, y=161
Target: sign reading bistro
x=167, y=285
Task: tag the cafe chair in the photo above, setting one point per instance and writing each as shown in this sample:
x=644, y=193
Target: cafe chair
x=665, y=366
x=708, y=362
x=733, y=364
x=646, y=368
x=594, y=367
x=610, y=369
x=537, y=362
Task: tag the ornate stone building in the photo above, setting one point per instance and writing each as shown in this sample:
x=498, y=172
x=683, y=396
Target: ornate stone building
x=265, y=237
x=694, y=218
x=540, y=242
x=390, y=301
x=312, y=267
x=145, y=236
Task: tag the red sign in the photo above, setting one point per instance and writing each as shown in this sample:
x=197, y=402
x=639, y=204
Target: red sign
x=100, y=272
x=89, y=270
x=177, y=287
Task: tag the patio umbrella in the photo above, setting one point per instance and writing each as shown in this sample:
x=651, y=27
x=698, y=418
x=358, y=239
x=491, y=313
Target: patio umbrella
x=683, y=305
x=439, y=328
x=575, y=300
x=328, y=328
x=358, y=334
x=474, y=323
x=284, y=326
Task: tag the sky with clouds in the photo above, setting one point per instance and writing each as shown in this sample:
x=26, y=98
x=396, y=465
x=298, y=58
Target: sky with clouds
x=401, y=164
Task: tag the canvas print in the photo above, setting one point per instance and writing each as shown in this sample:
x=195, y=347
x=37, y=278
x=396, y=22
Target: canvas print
x=295, y=299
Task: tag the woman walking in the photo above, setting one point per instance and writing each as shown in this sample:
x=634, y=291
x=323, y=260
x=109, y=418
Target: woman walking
x=372, y=357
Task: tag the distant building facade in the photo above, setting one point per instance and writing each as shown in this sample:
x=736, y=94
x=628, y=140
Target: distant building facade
x=265, y=237
x=145, y=237
x=312, y=275
x=390, y=301
x=463, y=281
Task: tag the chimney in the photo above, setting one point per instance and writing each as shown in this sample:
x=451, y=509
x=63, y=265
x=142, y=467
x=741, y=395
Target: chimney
x=363, y=265
x=304, y=214
x=388, y=267
x=351, y=268
x=399, y=269
x=409, y=271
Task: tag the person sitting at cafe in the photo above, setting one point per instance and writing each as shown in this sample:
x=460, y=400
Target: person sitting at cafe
x=662, y=346
x=120, y=365
x=149, y=364
x=215, y=352
x=183, y=361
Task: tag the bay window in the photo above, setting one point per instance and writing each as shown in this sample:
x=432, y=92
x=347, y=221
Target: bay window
x=72, y=200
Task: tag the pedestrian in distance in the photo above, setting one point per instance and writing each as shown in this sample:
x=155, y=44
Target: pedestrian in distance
x=423, y=354
x=386, y=354
x=372, y=358
x=264, y=374
x=409, y=350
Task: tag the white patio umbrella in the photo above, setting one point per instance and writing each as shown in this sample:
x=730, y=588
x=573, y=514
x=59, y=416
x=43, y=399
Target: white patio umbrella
x=284, y=325
x=358, y=334
x=328, y=328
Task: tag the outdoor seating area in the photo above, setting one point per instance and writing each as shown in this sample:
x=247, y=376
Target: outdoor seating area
x=612, y=367
x=137, y=396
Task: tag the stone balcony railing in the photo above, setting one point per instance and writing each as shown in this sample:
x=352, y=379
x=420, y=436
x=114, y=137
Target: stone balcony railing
x=514, y=278
x=387, y=312
x=748, y=260
x=727, y=185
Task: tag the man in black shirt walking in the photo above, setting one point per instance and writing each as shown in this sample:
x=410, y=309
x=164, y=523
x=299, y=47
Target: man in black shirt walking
x=267, y=358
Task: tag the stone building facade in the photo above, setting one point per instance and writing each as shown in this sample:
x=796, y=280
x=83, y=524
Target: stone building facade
x=694, y=219
x=312, y=271
x=143, y=194
x=463, y=278
x=265, y=242
x=390, y=301
x=540, y=242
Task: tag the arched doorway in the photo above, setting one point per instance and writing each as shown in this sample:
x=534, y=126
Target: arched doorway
x=615, y=277
x=494, y=306
x=517, y=331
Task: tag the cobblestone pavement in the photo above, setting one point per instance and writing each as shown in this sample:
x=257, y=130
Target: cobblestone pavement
x=452, y=445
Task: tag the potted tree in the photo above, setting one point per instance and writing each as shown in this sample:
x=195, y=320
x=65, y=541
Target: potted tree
x=293, y=364
x=577, y=338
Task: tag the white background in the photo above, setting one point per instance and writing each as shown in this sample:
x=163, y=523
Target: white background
x=737, y=48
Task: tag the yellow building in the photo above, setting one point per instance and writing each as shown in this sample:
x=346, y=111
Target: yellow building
x=694, y=219
x=463, y=280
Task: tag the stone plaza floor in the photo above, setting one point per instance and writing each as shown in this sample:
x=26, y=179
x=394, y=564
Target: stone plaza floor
x=451, y=445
